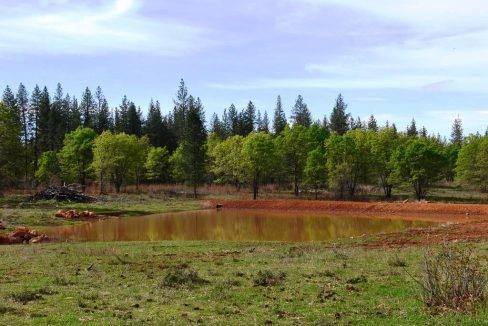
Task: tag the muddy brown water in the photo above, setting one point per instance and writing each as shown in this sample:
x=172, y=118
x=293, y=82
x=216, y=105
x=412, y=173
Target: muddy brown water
x=233, y=225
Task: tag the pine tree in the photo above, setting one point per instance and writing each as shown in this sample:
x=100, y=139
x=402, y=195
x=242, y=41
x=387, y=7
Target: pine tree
x=43, y=122
x=102, y=119
x=10, y=102
x=57, y=122
x=121, y=116
x=87, y=108
x=233, y=118
x=457, y=132
x=423, y=132
x=74, y=114
x=180, y=110
x=372, y=124
x=134, y=121
x=300, y=114
x=355, y=124
x=26, y=119
x=217, y=127
x=154, y=125
x=193, y=145
x=279, y=119
x=412, y=129
x=34, y=111
x=339, y=118
x=248, y=119
x=264, y=123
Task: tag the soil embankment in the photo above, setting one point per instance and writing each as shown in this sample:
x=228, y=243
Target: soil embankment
x=459, y=222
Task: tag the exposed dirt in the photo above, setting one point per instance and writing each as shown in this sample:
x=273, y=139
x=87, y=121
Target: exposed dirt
x=459, y=222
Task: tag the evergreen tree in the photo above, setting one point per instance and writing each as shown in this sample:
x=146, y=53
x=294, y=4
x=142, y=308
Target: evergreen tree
x=279, y=120
x=372, y=124
x=457, y=132
x=264, y=123
x=300, y=114
x=217, y=127
x=74, y=114
x=34, y=111
x=26, y=119
x=412, y=129
x=339, y=118
x=355, y=124
x=102, y=120
x=154, y=125
x=87, y=108
x=423, y=132
x=121, y=116
x=11, y=103
x=233, y=118
x=43, y=122
x=57, y=121
x=10, y=146
x=26, y=125
x=193, y=160
x=248, y=119
x=180, y=110
x=134, y=121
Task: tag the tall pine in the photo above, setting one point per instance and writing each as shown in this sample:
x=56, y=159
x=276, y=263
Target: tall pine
x=339, y=118
x=301, y=115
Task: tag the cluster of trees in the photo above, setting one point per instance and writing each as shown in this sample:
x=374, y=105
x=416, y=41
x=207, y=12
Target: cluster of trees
x=44, y=139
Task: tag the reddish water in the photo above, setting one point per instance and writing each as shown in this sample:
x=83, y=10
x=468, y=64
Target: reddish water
x=232, y=225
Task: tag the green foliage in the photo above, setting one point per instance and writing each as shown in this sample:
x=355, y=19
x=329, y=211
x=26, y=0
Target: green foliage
x=315, y=169
x=472, y=162
x=228, y=164
x=157, y=165
x=420, y=163
x=383, y=144
x=259, y=156
x=10, y=146
x=339, y=118
x=114, y=157
x=76, y=156
x=294, y=144
x=190, y=157
x=48, y=167
x=349, y=160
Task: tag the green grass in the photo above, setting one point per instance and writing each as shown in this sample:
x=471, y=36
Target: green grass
x=17, y=211
x=220, y=283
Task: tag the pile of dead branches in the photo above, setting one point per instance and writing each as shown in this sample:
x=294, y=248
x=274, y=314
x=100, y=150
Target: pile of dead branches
x=63, y=193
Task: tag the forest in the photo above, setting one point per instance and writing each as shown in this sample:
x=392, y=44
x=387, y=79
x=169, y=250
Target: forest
x=46, y=139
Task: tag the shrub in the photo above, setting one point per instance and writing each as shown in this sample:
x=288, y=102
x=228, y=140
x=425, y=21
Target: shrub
x=452, y=279
x=178, y=276
x=268, y=278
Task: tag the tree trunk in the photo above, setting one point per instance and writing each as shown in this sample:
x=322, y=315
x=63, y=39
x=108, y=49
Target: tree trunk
x=255, y=188
x=316, y=192
x=101, y=183
x=195, y=190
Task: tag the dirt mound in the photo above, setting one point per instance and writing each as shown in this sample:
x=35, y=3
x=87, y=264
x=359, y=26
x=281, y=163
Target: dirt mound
x=357, y=207
x=23, y=235
x=63, y=193
x=74, y=215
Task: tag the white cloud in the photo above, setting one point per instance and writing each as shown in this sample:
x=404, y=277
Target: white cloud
x=69, y=27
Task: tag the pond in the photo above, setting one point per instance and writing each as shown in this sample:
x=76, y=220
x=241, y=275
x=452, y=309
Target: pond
x=232, y=225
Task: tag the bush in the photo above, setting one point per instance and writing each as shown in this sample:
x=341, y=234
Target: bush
x=178, y=276
x=452, y=279
x=268, y=278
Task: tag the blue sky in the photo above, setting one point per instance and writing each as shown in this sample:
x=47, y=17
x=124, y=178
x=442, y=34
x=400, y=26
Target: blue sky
x=395, y=59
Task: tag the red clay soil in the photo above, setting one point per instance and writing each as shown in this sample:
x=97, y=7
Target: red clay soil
x=460, y=222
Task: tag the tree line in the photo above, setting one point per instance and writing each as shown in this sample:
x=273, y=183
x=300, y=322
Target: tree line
x=47, y=139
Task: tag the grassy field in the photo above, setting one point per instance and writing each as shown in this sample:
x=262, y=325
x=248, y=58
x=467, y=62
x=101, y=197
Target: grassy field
x=206, y=282
x=16, y=211
x=215, y=283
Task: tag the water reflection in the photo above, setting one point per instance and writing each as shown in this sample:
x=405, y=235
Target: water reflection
x=232, y=225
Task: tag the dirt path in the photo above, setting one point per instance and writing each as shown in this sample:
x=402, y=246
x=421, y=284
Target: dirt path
x=459, y=222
